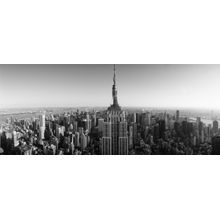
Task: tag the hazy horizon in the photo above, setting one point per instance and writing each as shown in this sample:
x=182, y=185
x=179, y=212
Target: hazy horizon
x=139, y=86
x=123, y=107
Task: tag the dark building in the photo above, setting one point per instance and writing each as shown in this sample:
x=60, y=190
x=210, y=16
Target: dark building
x=162, y=128
x=216, y=145
x=215, y=127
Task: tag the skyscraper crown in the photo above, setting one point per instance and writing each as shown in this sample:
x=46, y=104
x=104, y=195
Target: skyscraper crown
x=115, y=106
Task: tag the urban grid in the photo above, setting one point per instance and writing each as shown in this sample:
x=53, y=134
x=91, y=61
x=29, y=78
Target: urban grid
x=111, y=131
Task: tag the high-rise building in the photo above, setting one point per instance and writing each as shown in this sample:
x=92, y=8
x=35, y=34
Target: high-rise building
x=146, y=119
x=57, y=131
x=117, y=122
x=162, y=128
x=94, y=120
x=106, y=145
x=77, y=139
x=75, y=126
x=42, y=126
x=15, y=139
x=134, y=125
x=134, y=117
x=216, y=145
x=202, y=137
x=131, y=137
x=88, y=123
x=156, y=132
x=209, y=129
x=42, y=120
x=83, y=141
x=41, y=134
x=215, y=127
x=100, y=124
x=177, y=116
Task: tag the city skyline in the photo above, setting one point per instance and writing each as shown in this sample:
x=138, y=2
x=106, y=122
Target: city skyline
x=112, y=131
x=170, y=86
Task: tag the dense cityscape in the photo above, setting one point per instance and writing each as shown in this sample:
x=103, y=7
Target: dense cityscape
x=111, y=131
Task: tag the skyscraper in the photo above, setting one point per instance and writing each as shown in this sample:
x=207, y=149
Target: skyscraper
x=134, y=117
x=42, y=120
x=131, y=137
x=94, y=120
x=88, y=123
x=83, y=141
x=41, y=133
x=117, y=123
x=42, y=126
x=100, y=124
x=177, y=116
x=15, y=139
x=215, y=127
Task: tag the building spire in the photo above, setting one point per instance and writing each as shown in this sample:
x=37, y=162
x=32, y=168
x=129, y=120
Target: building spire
x=114, y=79
x=115, y=105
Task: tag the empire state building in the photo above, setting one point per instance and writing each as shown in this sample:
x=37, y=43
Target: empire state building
x=114, y=135
x=115, y=106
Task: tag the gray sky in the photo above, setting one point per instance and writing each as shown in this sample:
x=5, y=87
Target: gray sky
x=90, y=85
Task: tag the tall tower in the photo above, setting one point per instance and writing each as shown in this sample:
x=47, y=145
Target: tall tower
x=15, y=138
x=42, y=126
x=116, y=122
x=114, y=90
x=42, y=120
x=115, y=106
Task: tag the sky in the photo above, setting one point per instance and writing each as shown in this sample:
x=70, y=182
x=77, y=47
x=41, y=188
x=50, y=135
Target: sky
x=178, y=86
